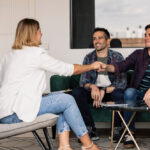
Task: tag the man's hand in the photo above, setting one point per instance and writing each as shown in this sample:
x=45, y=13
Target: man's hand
x=99, y=66
x=97, y=95
x=147, y=97
x=110, y=89
x=78, y=69
x=97, y=103
x=102, y=93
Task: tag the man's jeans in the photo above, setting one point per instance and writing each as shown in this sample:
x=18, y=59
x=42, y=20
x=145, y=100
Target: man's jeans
x=65, y=106
x=132, y=97
x=83, y=98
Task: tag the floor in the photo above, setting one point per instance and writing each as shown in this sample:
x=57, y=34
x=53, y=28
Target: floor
x=27, y=142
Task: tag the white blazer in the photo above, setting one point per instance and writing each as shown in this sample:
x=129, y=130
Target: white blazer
x=23, y=80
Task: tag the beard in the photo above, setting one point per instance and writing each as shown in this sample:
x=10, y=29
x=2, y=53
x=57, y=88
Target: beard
x=100, y=48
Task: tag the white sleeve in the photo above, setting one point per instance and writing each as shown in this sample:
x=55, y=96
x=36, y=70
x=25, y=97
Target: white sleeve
x=0, y=73
x=2, y=63
x=53, y=65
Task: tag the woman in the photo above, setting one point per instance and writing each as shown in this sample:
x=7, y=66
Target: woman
x=23, y=80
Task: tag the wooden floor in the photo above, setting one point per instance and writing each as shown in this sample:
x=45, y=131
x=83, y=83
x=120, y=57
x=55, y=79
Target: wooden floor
x=27, y=141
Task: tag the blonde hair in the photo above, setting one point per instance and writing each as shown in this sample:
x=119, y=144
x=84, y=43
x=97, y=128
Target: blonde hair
x=26, y=33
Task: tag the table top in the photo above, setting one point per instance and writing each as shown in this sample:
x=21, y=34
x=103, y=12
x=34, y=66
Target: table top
x=124, y=107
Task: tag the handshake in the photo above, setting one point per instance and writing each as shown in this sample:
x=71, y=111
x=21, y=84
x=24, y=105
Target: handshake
x=99, y=66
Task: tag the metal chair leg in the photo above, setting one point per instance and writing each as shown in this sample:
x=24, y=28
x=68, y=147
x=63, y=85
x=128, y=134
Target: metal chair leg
x=49, y=143
x=48, y=140
x=54, y=132
x=39, y=140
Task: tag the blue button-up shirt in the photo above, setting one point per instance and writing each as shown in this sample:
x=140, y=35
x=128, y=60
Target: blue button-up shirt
x=137, y=61
x=119, y=82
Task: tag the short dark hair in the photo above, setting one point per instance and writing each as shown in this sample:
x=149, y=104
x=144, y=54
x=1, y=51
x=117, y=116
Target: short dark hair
x=147, y=27
x=107, y=34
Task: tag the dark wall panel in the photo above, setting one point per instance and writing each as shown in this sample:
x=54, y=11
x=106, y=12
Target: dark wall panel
x=82, y=23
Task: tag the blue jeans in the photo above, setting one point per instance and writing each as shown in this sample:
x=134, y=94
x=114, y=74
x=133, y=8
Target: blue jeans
x=132, y=97
x=65, y=106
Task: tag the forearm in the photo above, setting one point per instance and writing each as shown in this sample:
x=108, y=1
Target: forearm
x=78, y=69
x=110, y=68
x=90, y=86
x=110, y=89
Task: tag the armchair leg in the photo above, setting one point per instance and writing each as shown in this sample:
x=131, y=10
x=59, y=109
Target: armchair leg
x=48, y=140
x=49, y=143
x=54, y=132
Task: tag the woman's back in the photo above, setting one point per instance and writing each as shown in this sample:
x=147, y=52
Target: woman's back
x=23, y=81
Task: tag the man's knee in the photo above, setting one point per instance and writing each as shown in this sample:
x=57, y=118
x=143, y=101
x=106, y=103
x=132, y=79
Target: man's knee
x=81, y=96
x=130, y=92
x=130, y=96
x=77, y=92
x=118, y=96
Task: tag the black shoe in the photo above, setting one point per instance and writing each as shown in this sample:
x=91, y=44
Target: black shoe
x=128, y=141
x=92, y=133
x=116, y=134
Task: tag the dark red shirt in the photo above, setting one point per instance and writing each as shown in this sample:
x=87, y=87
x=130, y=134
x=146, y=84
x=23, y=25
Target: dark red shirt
x=137, y=61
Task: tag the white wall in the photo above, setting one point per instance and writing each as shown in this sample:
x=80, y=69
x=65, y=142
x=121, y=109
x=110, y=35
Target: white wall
x=55, y=26
x=11, y=11
x=53, y=16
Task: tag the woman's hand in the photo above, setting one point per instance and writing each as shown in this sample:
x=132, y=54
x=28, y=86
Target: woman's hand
x=99, y=66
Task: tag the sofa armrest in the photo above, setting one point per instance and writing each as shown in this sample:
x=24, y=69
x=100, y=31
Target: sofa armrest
x=59, y=83
x=129, y=75
x=74, y=81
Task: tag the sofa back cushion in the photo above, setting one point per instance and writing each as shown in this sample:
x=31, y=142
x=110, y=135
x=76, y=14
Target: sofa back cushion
x=74, y=81
x=58, y=83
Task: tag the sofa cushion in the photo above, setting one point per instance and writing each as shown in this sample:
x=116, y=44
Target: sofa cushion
x=74, y=81
x=142, y=117
x=58, y=83
x=100, y=114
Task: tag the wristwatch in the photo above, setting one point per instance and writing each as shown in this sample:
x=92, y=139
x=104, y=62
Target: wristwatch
x=89, y=87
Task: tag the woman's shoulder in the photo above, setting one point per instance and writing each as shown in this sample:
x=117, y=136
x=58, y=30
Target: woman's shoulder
x=34, y=49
